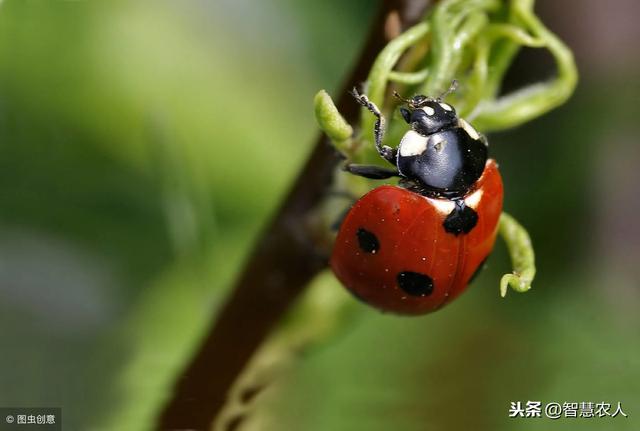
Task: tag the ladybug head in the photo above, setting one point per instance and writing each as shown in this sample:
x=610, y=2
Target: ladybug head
x=427, y=115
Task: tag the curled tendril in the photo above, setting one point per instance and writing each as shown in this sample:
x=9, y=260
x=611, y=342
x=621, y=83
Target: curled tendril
x=332, y=123
x=534, y=100
x=522, y=255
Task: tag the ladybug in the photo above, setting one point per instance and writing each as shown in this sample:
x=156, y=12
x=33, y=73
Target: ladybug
x=412, y=248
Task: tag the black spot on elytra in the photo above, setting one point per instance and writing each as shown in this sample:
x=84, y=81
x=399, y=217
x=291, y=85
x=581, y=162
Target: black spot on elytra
x=367, y=241
x=414, y=283
x=461, y=219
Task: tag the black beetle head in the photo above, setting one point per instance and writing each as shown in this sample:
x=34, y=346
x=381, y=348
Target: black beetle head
x=427, y=116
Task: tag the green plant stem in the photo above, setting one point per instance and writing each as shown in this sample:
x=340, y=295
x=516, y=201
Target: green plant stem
x=450, y=35
x=386, y=60
x=409, y=77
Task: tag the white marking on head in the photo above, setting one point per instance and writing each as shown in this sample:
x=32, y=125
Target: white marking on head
x=428, y=110
x=473, y=133
x=413, y=144
x=446, y=107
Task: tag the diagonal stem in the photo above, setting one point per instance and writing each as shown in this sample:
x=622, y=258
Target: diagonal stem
x=282, y=263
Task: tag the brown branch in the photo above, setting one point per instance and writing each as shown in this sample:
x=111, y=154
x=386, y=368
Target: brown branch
x=282, y=263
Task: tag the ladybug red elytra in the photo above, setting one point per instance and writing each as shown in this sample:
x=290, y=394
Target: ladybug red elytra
x=414, y=248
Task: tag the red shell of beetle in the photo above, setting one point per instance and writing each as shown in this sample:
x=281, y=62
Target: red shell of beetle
x=411, y=237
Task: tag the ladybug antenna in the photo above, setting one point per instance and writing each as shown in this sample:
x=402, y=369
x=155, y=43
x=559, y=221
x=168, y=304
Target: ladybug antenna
x=453, y=87
x=402, y=99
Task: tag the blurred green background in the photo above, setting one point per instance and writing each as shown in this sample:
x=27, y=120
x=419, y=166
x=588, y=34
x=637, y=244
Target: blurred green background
x=144, y=144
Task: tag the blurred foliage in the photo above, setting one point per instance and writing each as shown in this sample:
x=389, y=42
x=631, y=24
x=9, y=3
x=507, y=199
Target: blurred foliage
x=144, y=144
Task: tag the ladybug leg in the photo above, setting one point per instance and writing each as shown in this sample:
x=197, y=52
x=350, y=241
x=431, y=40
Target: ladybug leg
x=386, y=152
x=371, y=172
